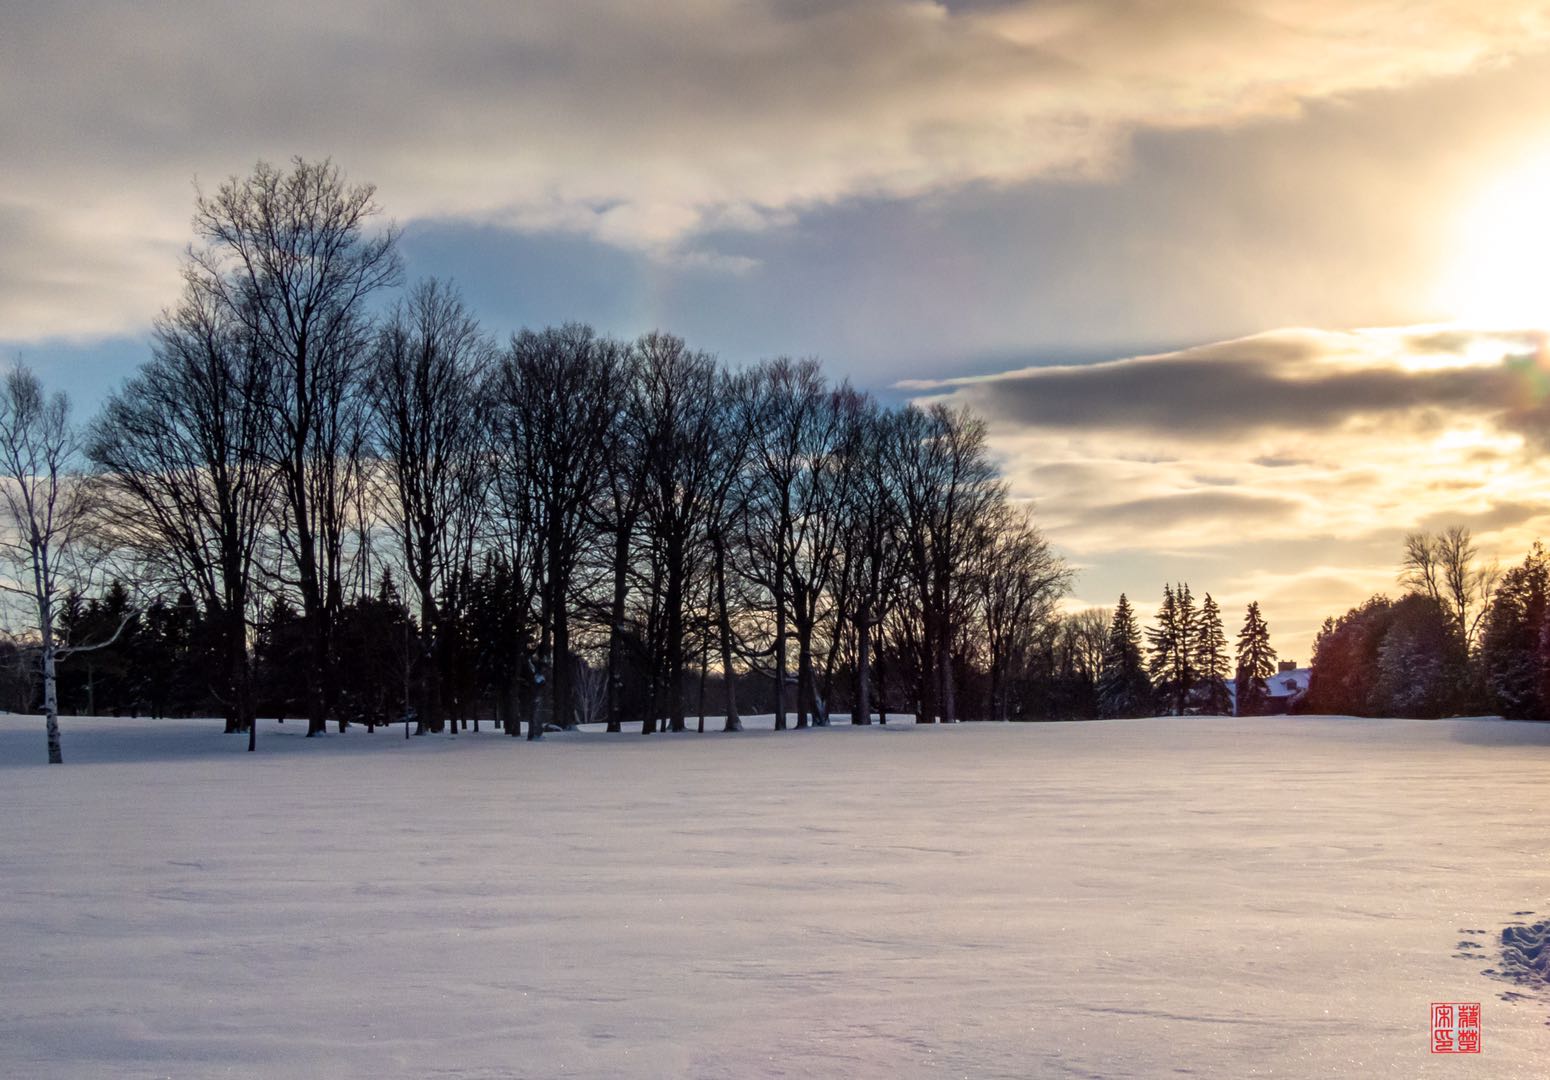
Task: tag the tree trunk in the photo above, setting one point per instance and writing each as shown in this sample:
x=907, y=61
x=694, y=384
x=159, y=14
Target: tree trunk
x=675, y=635
x=803, y=705
x=535, y=696
x=807, y=689
x=927, y=683
x=430, y=697
x=511, y=721
x=724, y=620
x=317, y=712
x=616, y=630
x=561, y=707
x=311, y=588
x=537, y=683
x=996, y=679
x=704, y=674
x=247, y=713
x=863, y=711
x=51, y=698
x=944, y=663
x=780, y=644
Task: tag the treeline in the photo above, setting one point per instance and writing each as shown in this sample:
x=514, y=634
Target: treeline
x=359, y=509
x=1465, y=639
x=1185, y=665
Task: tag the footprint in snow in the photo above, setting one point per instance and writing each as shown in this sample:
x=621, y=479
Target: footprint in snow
x=1523, y=961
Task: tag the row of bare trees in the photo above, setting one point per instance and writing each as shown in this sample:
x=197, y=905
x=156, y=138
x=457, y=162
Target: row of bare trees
x=629, y=508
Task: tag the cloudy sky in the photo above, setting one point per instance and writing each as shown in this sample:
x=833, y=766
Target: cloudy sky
x=1246, y=288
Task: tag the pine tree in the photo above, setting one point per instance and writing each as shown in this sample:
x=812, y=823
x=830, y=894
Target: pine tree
x=1124, y=691
x=1511, y=657
x=1256, y=663
x=1171, y=644
x=1210, y=661
x=1162, y=642
x=1184, y=671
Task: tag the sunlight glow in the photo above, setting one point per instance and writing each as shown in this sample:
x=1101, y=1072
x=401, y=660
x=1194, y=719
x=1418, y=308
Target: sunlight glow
x=1479, y=438
x=1502, y=276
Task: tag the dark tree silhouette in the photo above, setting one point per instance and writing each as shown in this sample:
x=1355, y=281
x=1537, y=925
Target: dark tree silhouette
x=1124, y=691
x=288, y=256
x=1210, y=694
x=1256, y=663
x=184, y=452
x=430, y=429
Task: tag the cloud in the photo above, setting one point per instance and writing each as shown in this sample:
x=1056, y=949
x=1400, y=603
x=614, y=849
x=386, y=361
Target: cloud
x=1198, y=509
x=1297, y=380
x=1284, y=468
x=643, y=126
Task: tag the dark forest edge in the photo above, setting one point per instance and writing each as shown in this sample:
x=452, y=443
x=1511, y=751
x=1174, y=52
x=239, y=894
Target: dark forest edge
x=310, y=502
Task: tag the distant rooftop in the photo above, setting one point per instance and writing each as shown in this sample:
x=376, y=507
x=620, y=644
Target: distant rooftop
x=1286, y=683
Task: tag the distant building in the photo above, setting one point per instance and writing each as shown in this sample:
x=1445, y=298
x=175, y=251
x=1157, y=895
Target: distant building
x=1284, y=688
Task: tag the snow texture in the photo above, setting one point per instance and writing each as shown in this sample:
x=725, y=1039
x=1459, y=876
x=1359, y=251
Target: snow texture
x=1275, y=897
x=1524, y=959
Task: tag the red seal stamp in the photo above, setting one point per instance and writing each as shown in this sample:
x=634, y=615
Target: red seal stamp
x=1455, y=1027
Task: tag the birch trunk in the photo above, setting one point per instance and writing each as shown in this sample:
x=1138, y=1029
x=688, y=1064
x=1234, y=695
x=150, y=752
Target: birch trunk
x=51, y=694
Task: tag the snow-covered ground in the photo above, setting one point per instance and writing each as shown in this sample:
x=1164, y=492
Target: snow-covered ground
x=1195, y=897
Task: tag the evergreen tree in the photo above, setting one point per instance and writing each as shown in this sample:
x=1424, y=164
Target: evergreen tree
x=1124, y=689
x=1422, y=664
x=379, y=651
x=1345, y=661
x=278, y=652
x=1171, y=644
x=1184, y=672
x=113, y=683
x=1512, y=656
x=1162, y=640
x=1256, y=663
x=1210, y=661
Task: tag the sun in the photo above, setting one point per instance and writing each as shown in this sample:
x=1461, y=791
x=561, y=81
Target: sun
x=1501, y=278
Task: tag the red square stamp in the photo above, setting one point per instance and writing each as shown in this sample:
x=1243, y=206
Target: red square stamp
x=1455, y=1027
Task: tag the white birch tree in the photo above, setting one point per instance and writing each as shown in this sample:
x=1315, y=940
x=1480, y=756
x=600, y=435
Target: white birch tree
x=48, y=501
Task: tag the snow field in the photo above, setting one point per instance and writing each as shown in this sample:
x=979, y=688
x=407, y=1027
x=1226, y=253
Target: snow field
x=1200, y=896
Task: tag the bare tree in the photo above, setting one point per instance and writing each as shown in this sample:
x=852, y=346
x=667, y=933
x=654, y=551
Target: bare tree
x=591, y=692
x=617, y=514
x=1085, y=634
x=820, y=602
x=946, y=481
x=869, y=545
x=797, y=431
x=186, y=472
x=49, y=504
x=559, y=400
x=430, y=428
x=1446, y=567
x=1419, y=570
x=725, y=506
x=1019, y=579
x=782, y=389
x=288, y=256
x=681, y=407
